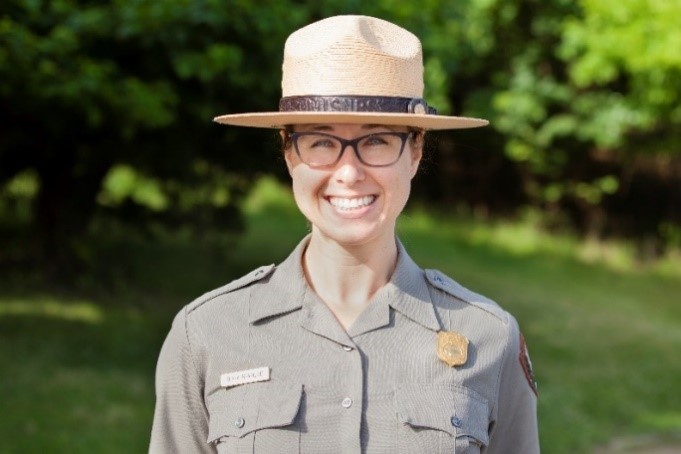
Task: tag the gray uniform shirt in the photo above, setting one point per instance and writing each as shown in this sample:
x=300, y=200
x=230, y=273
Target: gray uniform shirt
x=380, y=387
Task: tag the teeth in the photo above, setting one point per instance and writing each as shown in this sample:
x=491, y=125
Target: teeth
x=351, y=204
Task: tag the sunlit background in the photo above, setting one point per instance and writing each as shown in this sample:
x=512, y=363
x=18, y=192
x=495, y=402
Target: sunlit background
x=121, y=200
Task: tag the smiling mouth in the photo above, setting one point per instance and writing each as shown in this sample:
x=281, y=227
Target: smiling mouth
x=347, y=204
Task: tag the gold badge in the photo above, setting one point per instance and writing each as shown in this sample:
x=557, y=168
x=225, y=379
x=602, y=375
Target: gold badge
x=452, y=348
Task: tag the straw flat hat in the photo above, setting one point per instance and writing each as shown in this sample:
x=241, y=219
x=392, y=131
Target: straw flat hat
x=352, y=69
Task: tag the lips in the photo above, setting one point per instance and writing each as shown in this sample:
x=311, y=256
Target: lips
x=351, y=203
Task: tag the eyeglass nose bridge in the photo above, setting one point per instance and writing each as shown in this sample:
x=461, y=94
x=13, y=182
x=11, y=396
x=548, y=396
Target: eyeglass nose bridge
x=345, y=143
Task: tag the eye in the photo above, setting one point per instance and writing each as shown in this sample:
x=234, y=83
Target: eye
x=321, y=142
x=375, y=140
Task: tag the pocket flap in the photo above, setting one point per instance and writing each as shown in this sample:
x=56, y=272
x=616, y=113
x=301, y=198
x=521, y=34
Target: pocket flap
x=238, y=411
x=455, y=410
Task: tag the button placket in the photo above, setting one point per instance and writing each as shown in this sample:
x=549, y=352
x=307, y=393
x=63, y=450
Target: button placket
x=351, y=400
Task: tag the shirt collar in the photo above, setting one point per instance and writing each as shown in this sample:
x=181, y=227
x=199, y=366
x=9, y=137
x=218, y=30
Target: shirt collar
x=286, y=288
x=407, y=291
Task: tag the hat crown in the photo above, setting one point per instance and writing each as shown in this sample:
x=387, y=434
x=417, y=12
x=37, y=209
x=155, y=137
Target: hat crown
x=352, y=55
x=352, y=70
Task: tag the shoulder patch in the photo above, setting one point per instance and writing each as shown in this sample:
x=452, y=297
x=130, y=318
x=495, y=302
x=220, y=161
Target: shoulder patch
x=448, y=285
x=525, y=362
x=243, y=281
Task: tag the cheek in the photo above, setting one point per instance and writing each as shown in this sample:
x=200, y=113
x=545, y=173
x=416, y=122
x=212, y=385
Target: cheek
x=400, y=188
x=297, y=184
x=299, y=196
x=404, y=191
x=306, y=187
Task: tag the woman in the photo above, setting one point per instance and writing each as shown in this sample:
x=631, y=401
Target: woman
x=347, y=346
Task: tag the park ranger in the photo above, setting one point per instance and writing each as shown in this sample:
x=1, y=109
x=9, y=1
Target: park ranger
x=347, y=346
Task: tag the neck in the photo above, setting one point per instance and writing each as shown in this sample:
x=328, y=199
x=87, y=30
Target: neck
x=347, y=277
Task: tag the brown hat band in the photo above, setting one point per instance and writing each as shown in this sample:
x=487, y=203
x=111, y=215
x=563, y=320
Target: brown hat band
x=355, y=104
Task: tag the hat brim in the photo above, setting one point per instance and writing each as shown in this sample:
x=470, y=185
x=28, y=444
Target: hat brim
x=278, y=120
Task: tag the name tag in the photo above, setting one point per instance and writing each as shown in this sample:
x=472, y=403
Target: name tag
x=245, y=376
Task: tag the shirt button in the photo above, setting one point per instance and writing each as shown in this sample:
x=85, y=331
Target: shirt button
x=347, y=348
x=239, y=423
x=456, y=421
x=347, y=402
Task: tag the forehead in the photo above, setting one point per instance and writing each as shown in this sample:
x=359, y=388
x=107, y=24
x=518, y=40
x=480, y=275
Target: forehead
x=346, y=128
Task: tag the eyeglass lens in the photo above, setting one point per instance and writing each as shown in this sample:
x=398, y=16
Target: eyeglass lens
x=379, y=149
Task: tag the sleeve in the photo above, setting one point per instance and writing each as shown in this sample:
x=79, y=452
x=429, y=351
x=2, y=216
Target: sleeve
x=516, y=416
x=180, y=417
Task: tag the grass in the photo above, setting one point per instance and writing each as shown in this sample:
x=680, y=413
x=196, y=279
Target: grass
x=76, y=377
x=604, y=332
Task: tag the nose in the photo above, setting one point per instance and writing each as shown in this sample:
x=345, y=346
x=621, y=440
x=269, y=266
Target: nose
x=349, y=169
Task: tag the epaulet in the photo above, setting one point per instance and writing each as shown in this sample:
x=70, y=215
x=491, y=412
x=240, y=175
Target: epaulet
x=244, y=281
x=450, y=286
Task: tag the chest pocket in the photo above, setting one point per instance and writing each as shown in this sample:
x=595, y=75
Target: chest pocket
x=256, y=417
x=441, y=419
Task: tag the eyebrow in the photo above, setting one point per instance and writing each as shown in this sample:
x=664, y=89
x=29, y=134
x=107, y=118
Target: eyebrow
x=364, y=127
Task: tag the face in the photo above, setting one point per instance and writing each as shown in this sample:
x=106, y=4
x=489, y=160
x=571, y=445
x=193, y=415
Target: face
x=349, y=202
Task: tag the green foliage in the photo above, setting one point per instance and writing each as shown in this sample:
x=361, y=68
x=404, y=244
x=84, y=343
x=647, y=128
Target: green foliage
x=87, y=87
x=634, y=43
x=582, y=92
x=22, y=186
x=16, y=198
x=50, y=56
x=123, y=182
x=90, y=87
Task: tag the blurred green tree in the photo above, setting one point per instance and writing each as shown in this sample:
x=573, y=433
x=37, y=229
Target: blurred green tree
x=88, y=85
x=120, y=95
x=589, y=107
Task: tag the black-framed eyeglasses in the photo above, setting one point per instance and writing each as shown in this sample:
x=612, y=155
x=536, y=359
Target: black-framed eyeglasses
x=379, y=149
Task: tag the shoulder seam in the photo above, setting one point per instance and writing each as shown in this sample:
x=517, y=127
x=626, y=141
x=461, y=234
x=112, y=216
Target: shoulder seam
x=450, y=286
x=244, y=281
